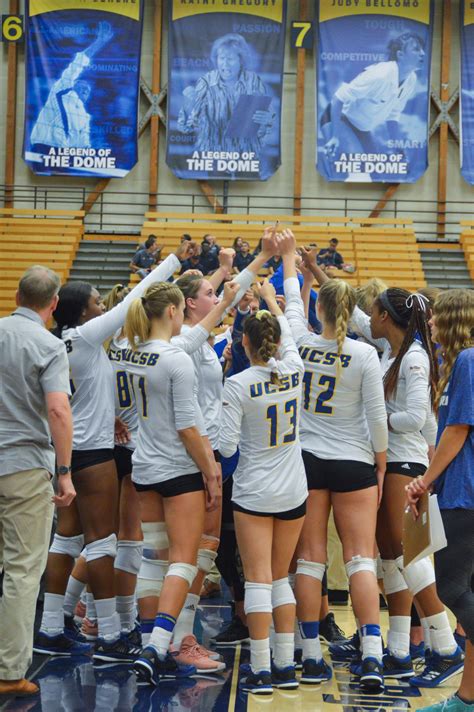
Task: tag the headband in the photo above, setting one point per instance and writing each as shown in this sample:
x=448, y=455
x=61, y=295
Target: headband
x=385, y=302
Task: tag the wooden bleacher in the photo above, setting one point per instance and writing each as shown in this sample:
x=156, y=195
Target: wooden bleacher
x=28, y=237
x=467, y=244
x=378, y=247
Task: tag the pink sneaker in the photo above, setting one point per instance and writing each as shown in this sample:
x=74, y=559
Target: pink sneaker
x=89, y=629
x=80, y=612
x=191, y=653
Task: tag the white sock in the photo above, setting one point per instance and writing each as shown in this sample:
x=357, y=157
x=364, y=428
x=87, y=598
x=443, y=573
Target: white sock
x=260, y=655
x=52, y=622
x=108, y=619
x=73, y=593
x=271, y=632
x=127, y=610
x=160, y=639
x=298, y=638
x=442, y=638
x=426, y=633
x=398, y=640
x=91, y=612
x=185, y=621
x=145, y=639
x=371, y=642
x=283, y=649
x=310, y=645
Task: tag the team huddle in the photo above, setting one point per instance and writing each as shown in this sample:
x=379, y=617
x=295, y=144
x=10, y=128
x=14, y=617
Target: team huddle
x=345, y=419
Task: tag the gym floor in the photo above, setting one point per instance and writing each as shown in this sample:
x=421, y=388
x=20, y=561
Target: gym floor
x=82, y=687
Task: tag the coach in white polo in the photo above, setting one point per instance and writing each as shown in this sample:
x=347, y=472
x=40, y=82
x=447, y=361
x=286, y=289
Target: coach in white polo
x=34, y=410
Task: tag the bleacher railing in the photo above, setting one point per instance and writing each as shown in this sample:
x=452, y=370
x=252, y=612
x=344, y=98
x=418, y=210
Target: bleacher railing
x=123, y=211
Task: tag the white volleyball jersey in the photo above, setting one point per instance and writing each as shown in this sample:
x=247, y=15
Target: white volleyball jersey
x=262, y=419
x=92, y=387
x=409, y=406
x=161, y=377
x=125, y=407
x=208, y=385
x=343, y=415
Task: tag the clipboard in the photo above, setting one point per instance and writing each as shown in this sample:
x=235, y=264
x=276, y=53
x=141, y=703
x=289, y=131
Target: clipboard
x=240, y=123
x=425, y=535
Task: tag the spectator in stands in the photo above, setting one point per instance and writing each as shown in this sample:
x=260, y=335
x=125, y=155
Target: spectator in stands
x=329, y=257
x=142, y=246
x=237, y=244
x=194, y=260
x=209, y=254
x=186, y=236
x=145, y=259
x=274, y=264
x=258, y=249
x=242, y=257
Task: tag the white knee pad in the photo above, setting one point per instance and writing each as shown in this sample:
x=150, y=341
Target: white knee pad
x=310, y=568
x=418, y=575
x=205, y=559
x=393, y=581
x=155, y=535
x=150, y=577
x=282, y=593
x=185, y=571
x=101, y=548
x=129, y=556
x=68, y=545
x=360, y=563
x=258, y=597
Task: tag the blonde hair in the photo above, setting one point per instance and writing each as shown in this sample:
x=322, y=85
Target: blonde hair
x=151, y=306
x=115, y=296
x=454, y=314
x=337, y=299
x=264, y=332
x=368, y=293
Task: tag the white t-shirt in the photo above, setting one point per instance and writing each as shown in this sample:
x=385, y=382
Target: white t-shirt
x=92, y=384
x=162, y=378
x=343, y=416
x=409, y=406
x=376, y=95
x=262, y=419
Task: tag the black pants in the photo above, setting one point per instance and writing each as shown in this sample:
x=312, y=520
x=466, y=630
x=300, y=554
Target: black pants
x=228, y=558
x=454, y=567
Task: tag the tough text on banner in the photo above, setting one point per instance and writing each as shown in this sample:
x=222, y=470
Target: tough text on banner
x=466, y=143
x=373, y=88
x=82, y=87
x=225, y=70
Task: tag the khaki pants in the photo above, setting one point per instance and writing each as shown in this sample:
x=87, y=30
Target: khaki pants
x=26, y=513
x=337, y=579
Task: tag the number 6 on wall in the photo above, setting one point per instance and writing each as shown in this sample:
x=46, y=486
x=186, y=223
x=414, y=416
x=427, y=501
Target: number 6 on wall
x=12, y=28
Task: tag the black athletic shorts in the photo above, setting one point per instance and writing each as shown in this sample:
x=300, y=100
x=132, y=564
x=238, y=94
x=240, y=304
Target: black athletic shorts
x=88, y=458
x=217, y=455
x=338, y=475
x=410, y=469
x=123, y=461
x=290, y=514
x=178, y=485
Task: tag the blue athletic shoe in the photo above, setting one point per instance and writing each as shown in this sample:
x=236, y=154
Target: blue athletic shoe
x=59, y=645
x=461, y=641
x=284, y=678
x=397, y=668
x=371, y=674
x=347, y=650
x=134, y=636
x=151, y=669
x=315, y=672
x=417, y=652
x=257, y=683
x=115, y=651
x=298, y=658
x=439, y=669
x=355, y=666
x=73, y=630
x=452, y=704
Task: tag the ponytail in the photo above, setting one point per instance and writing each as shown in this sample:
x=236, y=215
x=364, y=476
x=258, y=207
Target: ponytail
x=151, y=306
x=409, y=313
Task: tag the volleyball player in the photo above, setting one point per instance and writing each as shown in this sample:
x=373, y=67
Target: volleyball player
x=343, y=433
x=398, y=325
x=261, y=417
x=452, y=473
x=171, y=465
x=83, y=326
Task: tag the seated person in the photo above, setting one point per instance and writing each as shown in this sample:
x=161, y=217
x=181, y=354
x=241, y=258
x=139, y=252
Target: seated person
x=145, y=259
x=243, y=257
x=328, y=257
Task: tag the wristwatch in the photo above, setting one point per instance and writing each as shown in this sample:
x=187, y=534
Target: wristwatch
x=63, y=470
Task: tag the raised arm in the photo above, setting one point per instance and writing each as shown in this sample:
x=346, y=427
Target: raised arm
x=250, y=273
x=229, y=434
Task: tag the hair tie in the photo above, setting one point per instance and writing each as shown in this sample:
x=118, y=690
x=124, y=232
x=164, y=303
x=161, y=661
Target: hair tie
x=261, y=313
x=420, y=298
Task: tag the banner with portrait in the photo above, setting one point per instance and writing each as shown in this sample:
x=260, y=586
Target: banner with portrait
x=225, y=72
x=466, y=93
x=373, y=90
x=82, y=86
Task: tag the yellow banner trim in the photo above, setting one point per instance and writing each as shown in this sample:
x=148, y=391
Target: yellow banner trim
x=127, y=8
x=265, y=9
x=418, y=10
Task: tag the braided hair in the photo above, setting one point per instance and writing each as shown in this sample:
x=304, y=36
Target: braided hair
x=264, y=333
x=408, y=313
